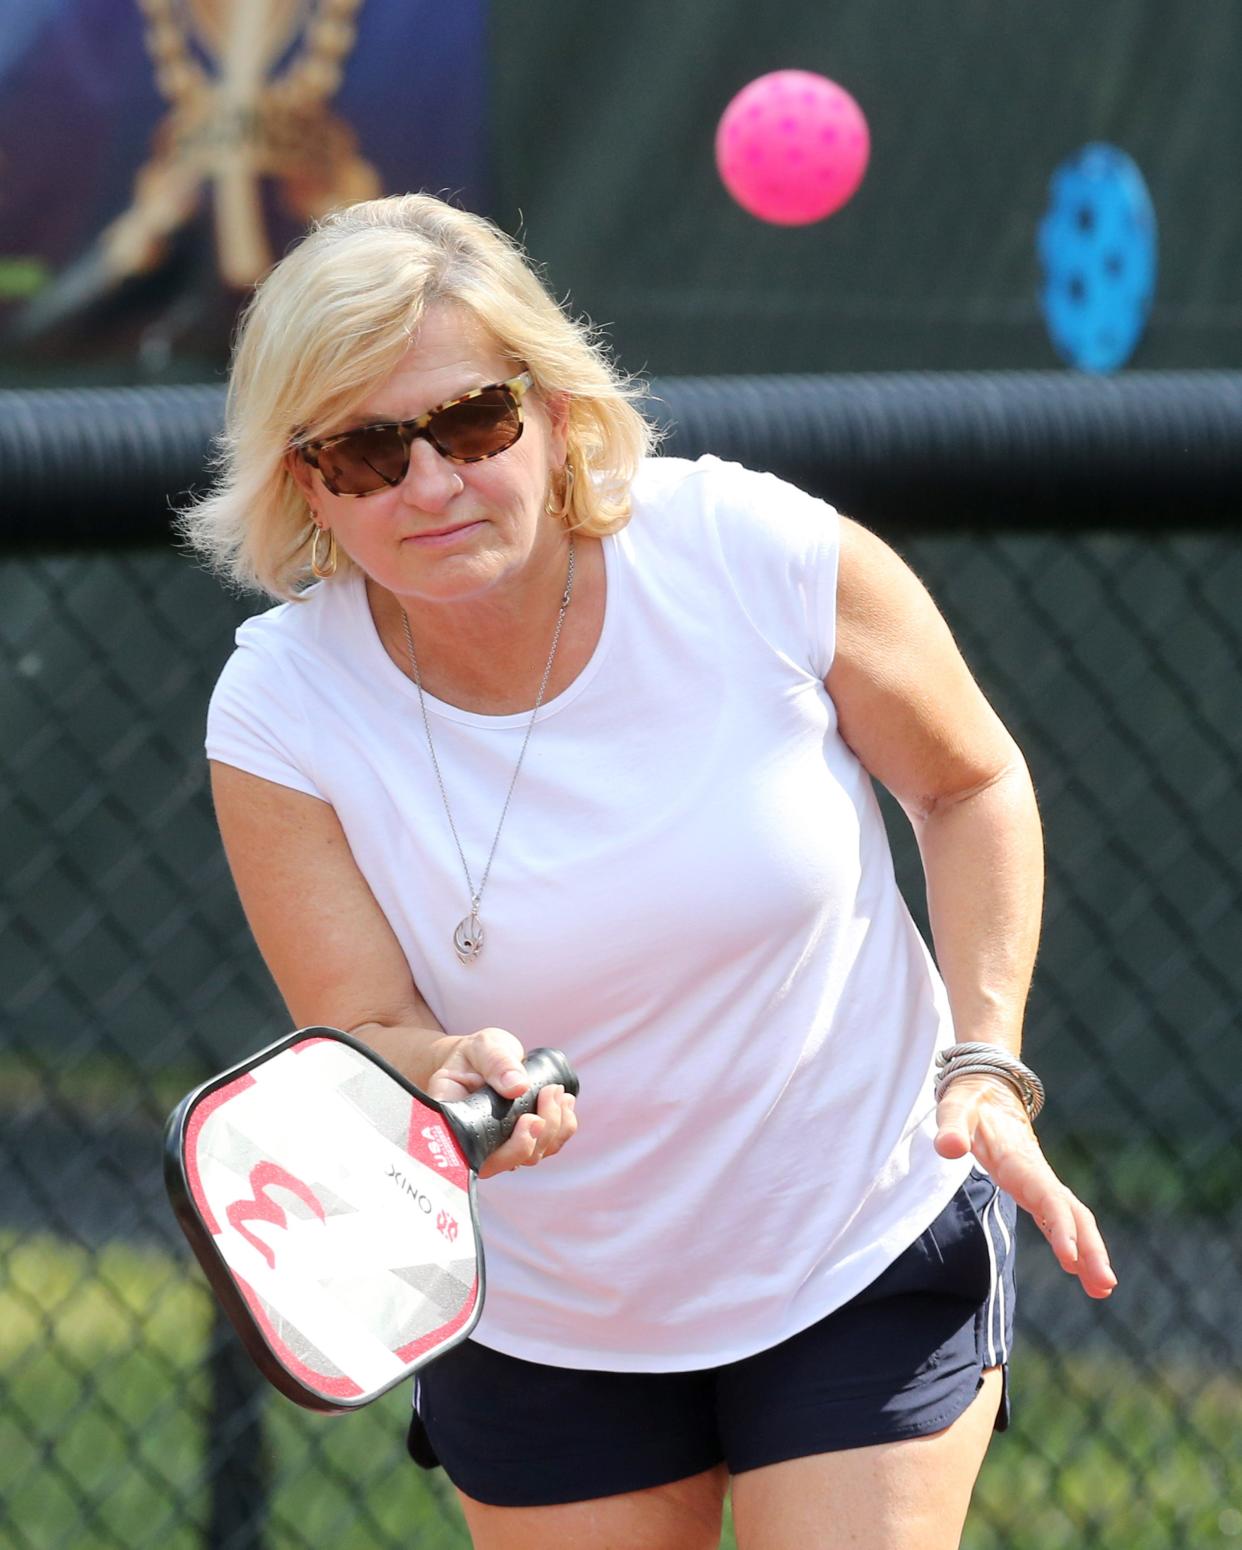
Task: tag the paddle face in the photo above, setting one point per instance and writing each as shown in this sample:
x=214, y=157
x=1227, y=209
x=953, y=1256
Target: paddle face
x=332, y=1209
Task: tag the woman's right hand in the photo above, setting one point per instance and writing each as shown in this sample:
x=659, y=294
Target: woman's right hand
x=493, y=1057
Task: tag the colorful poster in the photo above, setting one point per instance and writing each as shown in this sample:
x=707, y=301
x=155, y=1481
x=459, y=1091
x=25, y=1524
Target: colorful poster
x=156, y=156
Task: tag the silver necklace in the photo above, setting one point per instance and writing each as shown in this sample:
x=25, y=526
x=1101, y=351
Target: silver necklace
x=468, y=937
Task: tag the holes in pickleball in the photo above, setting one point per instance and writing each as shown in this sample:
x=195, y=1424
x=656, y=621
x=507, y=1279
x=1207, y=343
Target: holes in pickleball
x=1097, y=248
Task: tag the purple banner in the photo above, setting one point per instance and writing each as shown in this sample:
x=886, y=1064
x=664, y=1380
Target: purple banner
x=156, y=156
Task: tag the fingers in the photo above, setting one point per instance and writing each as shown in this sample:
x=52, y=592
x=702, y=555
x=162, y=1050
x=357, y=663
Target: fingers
x=491, y=1057
x=989, y=1121
x=955, y=1124
x=1068, y=1227
x=1074, y=1238
x=559, y=1110
x=538, y=1135
x=494, y=1056
x=497, y=1057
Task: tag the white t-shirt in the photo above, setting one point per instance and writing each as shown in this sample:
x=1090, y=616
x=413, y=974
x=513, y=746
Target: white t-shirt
x=693, y=896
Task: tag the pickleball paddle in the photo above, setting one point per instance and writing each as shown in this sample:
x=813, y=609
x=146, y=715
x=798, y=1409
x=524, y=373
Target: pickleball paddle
x=331, y=1205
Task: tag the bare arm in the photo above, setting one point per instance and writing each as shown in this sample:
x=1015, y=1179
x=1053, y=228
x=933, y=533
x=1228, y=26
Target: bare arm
x=337, y=962
x=909, y=708
x=919, y=723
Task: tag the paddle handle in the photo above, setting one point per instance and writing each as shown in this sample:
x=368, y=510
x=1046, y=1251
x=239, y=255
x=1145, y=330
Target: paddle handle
x=485, y=1120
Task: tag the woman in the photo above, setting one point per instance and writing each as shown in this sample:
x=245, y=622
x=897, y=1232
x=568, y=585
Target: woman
x=572, y=745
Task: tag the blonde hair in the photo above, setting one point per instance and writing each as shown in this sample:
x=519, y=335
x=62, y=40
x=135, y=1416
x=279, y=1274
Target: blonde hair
x=330, y=322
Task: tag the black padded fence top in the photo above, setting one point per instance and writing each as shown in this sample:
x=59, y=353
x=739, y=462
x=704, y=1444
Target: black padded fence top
x=1043, y=450
x=85, y=466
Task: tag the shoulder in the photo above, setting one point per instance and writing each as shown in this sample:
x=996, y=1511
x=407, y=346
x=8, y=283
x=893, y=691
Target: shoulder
x=697, y=481
x=750, y=522
x=288, y=648
x=740, y=505
x=288, y=663
x=721, y=527
x=310, y=628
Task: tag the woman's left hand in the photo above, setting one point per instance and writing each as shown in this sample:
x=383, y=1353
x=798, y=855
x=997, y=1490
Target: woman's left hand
x=980, y=1115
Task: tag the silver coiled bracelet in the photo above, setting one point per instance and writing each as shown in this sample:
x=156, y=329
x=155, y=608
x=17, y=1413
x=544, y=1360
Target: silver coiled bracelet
x=990, y=1060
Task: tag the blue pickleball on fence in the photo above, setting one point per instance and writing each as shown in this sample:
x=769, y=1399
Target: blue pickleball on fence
x=1097, y=246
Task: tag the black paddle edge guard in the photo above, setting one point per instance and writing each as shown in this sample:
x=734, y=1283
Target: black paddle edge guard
x=927, y=451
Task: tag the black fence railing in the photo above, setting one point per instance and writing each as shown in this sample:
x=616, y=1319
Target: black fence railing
x=1083, y=539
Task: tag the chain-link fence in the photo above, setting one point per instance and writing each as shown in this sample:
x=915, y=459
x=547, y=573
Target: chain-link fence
x=128, y=1415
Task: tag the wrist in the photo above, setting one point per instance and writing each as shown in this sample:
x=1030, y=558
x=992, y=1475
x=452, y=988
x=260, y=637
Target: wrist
x=417, y=1053
x=995, y=1063
x=991, y=1094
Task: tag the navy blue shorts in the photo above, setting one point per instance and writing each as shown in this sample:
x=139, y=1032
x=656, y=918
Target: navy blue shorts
x=902, y=1359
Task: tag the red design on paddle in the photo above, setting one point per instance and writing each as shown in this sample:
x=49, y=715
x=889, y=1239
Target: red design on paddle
x=262, y=1208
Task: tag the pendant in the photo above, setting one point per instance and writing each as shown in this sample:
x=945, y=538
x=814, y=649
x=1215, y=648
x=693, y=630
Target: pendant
x=468, y=938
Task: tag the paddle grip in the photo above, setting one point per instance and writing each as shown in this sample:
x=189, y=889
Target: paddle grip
x=484, y=1121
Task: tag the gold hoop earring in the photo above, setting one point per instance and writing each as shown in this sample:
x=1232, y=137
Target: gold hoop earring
x=323, y=569
x=564, y=506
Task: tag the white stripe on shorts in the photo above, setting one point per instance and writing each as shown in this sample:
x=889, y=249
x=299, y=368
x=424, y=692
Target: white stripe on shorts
x=1002, y=1321
x=993, y=1223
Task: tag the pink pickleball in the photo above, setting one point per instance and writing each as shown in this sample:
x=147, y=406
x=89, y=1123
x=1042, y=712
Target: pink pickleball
x=792, y=147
